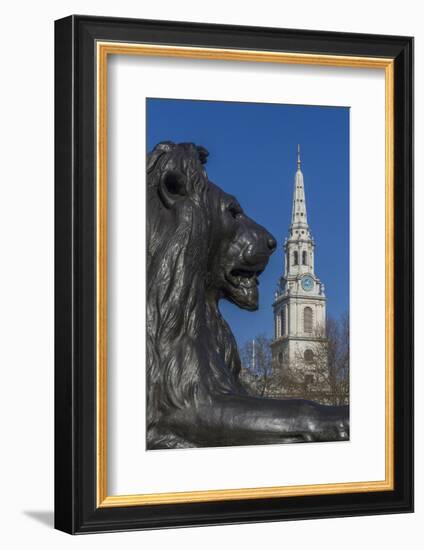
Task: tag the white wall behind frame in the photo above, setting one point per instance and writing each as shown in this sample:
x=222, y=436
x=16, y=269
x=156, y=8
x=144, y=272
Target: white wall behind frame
x=132, y=79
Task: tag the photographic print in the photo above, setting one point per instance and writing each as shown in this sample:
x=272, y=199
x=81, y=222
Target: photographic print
x=247, y=273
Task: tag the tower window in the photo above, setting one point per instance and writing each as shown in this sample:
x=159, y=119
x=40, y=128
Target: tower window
x=308, y=356
x=304, y=258
x=307, y=319
x=283, y=321
x=295, y=258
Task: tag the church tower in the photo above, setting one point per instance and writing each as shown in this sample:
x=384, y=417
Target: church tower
x=300, y=302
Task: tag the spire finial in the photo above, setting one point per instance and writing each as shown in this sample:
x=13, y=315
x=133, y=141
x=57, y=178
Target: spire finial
x=298, y=156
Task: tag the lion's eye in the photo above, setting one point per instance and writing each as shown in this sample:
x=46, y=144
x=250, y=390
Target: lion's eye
x=235, y=211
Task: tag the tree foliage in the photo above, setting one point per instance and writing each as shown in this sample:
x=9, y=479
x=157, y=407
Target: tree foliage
x=325, y=378
x=256, y=359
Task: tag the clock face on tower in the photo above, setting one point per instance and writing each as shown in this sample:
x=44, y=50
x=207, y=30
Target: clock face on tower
x=307, y=283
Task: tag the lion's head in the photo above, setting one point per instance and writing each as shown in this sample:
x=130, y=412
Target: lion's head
x=237, y=249
x=240, y=250
x=202, y=247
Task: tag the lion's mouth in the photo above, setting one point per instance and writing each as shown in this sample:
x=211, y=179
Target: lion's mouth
x=246, y=278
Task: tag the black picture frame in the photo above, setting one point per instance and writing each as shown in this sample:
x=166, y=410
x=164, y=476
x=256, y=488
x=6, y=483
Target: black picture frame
x=76, y=509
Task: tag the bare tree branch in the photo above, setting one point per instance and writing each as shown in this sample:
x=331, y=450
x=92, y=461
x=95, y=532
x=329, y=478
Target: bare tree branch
x=325, y=378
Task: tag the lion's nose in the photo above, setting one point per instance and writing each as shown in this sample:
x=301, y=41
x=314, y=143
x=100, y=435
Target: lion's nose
x=272, y=244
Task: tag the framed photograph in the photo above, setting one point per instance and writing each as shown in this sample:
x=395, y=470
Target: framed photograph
x=234, y=271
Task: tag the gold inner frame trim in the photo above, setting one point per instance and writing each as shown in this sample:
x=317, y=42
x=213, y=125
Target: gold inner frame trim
x=103, y=50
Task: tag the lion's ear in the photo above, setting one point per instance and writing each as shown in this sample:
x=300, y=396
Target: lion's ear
x=172, y=187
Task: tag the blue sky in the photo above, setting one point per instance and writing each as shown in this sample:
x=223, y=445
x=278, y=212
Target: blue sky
x=253, y=151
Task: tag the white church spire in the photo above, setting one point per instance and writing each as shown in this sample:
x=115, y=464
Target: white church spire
x=299, y=215
x=300, y=302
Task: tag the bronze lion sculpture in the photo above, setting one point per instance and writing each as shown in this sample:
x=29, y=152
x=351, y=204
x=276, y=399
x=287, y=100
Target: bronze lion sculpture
x=201, y=248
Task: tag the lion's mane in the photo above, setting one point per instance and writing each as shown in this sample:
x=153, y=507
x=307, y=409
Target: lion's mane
x=186, y=360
